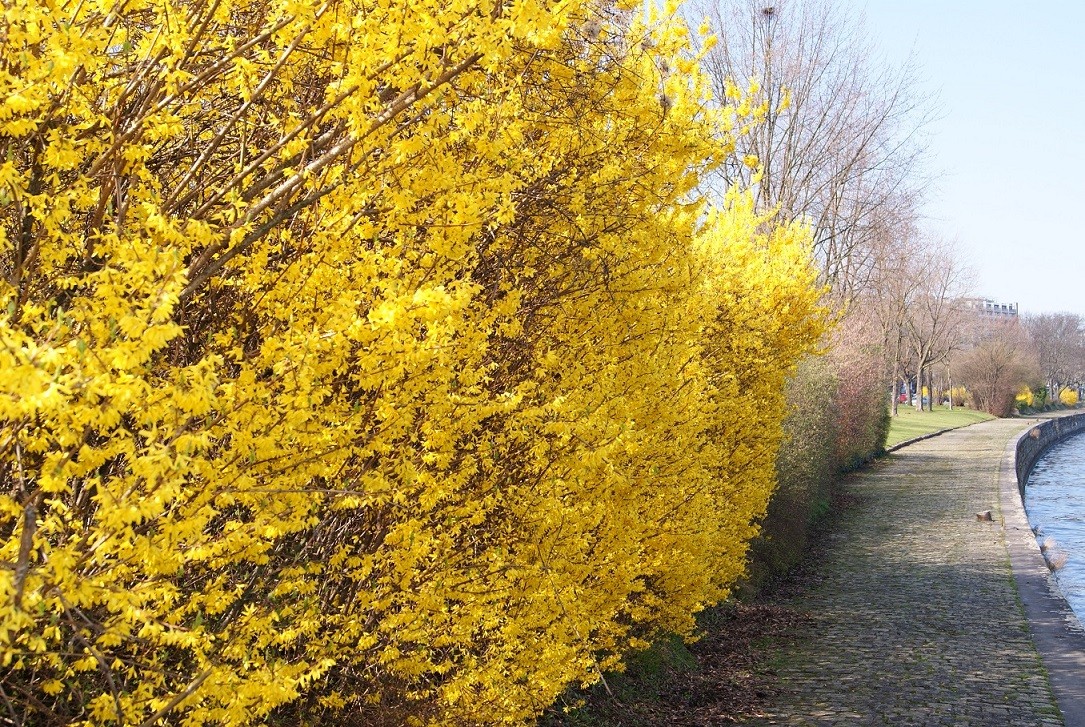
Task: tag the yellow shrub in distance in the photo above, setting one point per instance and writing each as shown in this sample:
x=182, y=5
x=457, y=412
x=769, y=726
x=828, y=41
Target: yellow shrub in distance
x=1025, y=396
x=960, y=396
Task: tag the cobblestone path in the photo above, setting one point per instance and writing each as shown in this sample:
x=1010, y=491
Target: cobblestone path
x=916, y=619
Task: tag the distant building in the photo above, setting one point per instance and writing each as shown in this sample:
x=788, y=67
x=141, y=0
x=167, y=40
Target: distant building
x=989, y=308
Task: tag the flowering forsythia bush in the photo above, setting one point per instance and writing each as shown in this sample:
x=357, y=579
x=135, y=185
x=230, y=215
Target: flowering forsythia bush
x=1025, y=397
x=963, y=397
x=1068, y=397
x=369, y=358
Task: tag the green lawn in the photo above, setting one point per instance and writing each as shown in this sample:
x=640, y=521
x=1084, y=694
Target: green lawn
x=911, y=423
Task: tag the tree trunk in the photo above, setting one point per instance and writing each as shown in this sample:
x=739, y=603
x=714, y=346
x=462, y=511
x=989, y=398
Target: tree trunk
x=919, y=386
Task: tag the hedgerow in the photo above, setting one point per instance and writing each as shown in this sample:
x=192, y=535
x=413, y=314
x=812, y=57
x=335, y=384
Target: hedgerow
x=370, y=359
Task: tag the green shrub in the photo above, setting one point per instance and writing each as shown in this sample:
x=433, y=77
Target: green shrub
x=1039, y=398
x=838, y=421
x=806, y=467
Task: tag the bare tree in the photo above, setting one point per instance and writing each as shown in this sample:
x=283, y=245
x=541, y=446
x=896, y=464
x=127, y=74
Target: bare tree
x=839, y=144
x=890, y=298
x=1058, y=340
x=915, y=293
x=999, y=363
x=936, y=317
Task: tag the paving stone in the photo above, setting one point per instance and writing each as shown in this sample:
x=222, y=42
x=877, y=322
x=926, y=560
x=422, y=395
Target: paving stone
x=915, y=617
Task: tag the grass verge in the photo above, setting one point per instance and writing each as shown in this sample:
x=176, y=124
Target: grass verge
x=909, y=423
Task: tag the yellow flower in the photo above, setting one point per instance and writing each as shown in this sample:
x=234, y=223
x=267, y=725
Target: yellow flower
x=372, y=358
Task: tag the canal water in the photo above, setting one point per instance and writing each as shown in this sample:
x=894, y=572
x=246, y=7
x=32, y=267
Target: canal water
x=1055, y=503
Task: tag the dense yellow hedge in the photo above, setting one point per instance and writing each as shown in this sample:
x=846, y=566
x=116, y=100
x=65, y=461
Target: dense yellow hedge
x=367, y=356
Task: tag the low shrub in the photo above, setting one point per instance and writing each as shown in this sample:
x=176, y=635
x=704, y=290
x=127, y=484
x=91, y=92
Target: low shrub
x=960, y=396
x=1040, y=398
x=805, y=467
x=996, y=368
x=1024, y=400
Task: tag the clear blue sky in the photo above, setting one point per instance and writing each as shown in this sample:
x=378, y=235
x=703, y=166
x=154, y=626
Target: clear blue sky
x=1008, y=144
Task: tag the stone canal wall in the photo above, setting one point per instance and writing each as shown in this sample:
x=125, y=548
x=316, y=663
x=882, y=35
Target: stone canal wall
x=1032, y=444
x=1055, y=629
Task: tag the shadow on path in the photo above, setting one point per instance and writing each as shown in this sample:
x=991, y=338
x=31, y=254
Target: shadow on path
x=914, y=618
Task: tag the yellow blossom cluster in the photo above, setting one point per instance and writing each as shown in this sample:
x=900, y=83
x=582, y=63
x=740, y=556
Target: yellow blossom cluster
x=1024, y=396
x=368, y=357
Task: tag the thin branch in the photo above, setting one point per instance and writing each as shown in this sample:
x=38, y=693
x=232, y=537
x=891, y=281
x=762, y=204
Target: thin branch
x=176, y=701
